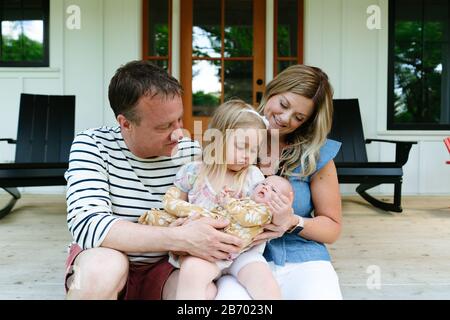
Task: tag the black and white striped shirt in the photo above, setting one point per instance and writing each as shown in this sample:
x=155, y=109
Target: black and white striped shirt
x=106, y=183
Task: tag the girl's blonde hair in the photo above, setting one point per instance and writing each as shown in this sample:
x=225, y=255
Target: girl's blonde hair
x=305, y=142
x=231, y=115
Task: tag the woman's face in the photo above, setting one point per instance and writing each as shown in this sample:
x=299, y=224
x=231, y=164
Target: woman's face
x=288, y=111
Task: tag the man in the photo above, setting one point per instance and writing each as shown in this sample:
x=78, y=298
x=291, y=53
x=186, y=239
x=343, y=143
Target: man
x=115, y=175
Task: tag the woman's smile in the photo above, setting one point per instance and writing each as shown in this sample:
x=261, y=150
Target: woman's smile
x=279, y=122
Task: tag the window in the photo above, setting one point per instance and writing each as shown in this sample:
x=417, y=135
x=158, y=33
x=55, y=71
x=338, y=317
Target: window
x=157, y=33
x=288, y=34
x=24, y=29
x=419, y=65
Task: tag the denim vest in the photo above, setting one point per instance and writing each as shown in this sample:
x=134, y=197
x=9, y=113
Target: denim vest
x=291, y=248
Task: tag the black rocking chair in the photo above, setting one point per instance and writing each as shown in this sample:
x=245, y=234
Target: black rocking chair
x=44, y=138
x=351, y=161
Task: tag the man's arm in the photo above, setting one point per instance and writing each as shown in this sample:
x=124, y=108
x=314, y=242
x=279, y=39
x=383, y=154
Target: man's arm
x=92, y=224
x=89, y=215
x=198, y=238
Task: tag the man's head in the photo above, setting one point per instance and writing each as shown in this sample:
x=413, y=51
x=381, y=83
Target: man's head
x=146, y=101
x=265, y=190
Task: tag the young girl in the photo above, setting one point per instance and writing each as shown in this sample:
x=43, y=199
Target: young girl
x=227, y=164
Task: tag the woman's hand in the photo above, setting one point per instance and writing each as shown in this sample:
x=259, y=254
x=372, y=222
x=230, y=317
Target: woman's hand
x=282, y=218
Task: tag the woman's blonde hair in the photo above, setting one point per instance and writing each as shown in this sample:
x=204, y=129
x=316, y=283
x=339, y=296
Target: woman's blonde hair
x=305, y=142
x=231, y=115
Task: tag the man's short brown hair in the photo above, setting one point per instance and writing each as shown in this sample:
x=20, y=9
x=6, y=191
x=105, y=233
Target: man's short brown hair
x=135, y=80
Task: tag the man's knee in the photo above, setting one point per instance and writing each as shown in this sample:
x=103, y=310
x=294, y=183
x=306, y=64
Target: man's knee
x=100, y=271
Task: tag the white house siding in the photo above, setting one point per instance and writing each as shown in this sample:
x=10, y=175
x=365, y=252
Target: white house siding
x=336, y=39
x=81, y=63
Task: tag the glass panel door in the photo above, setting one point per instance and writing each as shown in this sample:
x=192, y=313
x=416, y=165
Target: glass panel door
x=222, y=55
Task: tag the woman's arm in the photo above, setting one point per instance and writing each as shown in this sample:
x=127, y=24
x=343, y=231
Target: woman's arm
x=325, y=227
x=199, y=238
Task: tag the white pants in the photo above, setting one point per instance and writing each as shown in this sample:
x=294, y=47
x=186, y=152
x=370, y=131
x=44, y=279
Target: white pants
x=314, y=280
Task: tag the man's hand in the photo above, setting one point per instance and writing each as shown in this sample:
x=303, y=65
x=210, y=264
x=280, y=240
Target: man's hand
x=201, y=238
x=179, y=222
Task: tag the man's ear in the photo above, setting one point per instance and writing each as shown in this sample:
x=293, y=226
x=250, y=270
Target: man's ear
x=124, y=123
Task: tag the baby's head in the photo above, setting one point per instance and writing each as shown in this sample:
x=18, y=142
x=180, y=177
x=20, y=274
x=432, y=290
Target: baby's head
x=264, y=191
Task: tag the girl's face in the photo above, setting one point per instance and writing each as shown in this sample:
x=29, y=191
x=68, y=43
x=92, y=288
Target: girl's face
x=288, y=111
x=242, y=148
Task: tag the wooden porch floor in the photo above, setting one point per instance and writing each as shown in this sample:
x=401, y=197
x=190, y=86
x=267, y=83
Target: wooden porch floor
x=411, y=251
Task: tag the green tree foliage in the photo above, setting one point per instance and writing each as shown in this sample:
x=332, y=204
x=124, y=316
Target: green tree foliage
x=21, y=49
x=161, y=40
x=238, y=43
x=201, y=98
x=418, y=58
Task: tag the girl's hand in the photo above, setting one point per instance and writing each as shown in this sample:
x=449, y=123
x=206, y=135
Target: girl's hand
x=224, y=196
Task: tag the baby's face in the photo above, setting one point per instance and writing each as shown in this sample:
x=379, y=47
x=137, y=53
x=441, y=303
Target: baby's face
x=265, y=190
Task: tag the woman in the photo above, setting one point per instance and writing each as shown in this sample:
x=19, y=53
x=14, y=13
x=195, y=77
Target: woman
x=298, y=106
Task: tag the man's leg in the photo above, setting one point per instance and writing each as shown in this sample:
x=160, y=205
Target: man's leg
x=99, y=273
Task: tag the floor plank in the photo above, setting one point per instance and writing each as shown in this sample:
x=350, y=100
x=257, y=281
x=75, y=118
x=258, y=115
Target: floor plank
x=410, y=250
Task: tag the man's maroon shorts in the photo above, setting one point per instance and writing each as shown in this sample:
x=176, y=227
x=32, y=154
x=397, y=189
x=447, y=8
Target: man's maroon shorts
x=145, y=281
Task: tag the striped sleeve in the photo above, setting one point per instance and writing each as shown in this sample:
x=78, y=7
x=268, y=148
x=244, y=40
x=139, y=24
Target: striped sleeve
x=89, y=214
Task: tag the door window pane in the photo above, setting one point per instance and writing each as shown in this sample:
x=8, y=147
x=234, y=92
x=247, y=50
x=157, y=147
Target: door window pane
x=288, y=34
x=206, y=32
x=157, y=32
x=287, y=29
x=238, y=80
x=158, y=28
x=206, y=87
x=285, y=64
x=161, y=63
x=238, y=28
